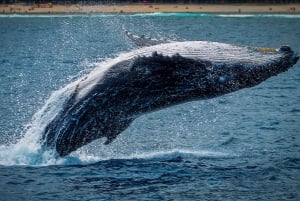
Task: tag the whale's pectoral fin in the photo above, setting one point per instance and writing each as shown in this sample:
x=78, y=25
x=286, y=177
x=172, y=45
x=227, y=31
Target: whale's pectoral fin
x=142, y=41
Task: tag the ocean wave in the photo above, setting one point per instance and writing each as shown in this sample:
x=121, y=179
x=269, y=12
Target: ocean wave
x=34, y=156
x=158, y=14
x=218, y=15
x=82, y=158
x=258, y=16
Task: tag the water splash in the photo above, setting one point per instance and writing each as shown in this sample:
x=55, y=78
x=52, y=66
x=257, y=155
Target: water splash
x=27, y=151
x=83, y=158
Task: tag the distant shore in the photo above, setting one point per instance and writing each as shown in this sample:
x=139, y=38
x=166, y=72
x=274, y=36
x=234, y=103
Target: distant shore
x=150, y=8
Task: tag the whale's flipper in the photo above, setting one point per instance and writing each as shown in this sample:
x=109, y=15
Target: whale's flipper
x=142, y=41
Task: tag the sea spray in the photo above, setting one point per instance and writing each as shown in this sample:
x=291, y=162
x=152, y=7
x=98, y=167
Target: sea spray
x=27, y=151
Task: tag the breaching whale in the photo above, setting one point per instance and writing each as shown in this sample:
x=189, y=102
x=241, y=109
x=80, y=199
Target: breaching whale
x=107, y=101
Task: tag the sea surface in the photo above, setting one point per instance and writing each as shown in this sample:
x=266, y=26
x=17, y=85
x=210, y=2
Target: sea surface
x=240, y=146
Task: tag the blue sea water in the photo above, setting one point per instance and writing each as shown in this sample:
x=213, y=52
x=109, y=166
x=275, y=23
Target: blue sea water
x=240, y=146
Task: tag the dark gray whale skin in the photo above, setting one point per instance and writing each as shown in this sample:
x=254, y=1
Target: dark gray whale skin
x=152, y=78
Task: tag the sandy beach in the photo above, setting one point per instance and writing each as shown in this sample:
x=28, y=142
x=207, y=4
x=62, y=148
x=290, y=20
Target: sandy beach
x=151, y=8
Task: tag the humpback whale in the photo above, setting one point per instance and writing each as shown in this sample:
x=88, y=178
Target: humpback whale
x=157, y=75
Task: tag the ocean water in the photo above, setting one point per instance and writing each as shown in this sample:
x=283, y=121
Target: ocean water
x=240, y=146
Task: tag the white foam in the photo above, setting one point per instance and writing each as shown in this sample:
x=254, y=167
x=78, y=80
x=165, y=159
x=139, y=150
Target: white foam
x=160, y=14
x=80, y=157
x=157, y=14
x=296, y=16
x=176, y=152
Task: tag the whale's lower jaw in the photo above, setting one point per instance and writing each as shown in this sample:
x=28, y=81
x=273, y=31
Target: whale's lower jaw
x=134, y=85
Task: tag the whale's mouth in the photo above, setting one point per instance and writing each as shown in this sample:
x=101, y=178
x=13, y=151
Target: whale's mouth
x=294, y=55
x=285, y=52
x=291, y=56
x=287, y=58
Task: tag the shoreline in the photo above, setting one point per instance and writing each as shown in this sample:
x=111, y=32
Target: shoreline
x=150, y=8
